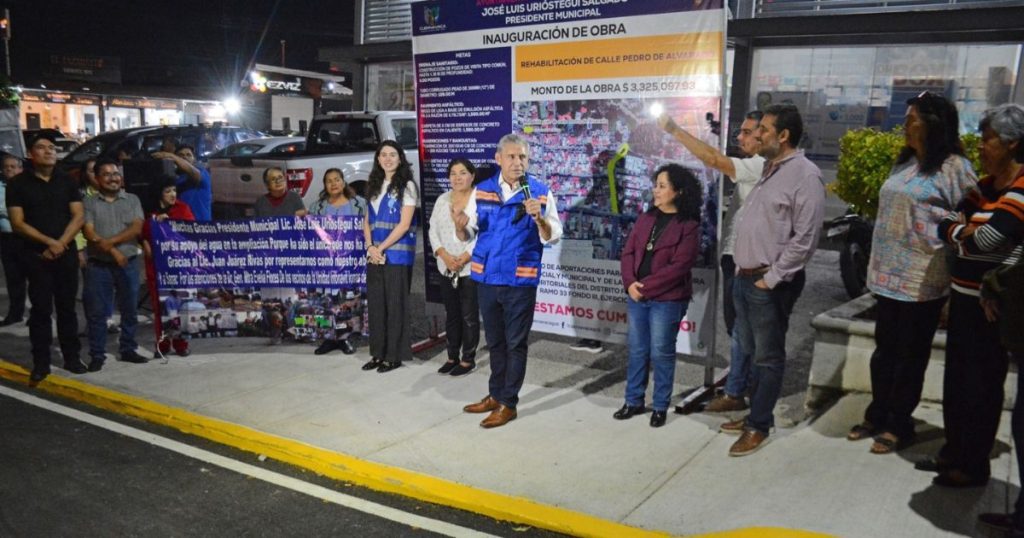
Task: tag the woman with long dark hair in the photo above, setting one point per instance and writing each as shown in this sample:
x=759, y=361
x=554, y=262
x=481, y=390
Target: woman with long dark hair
x=390, y=233
x=909, y=272
x=656, y=262
x=338, y=199
x=458, y=291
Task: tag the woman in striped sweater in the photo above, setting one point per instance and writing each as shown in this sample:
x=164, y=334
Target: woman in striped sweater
x=986, y=231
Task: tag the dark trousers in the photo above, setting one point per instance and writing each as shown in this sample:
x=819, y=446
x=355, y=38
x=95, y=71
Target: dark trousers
x=728, y=306
x=52, y=287
x=387, y=298
x=462, y=318
x=508, y=315
x=14, y=274
x=903, y=342
x=972, y=386
x=1017, y=423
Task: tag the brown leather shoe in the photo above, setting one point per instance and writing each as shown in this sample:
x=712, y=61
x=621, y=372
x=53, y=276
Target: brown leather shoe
x=748, y=443
x=486, y=405
x=724, y=404
x=499, y=417
x=733, y=427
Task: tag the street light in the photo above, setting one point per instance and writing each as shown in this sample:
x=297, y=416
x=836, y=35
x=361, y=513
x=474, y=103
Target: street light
x=232, y=105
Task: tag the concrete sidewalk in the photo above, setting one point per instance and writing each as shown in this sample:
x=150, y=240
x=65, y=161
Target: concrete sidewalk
x=564, y=464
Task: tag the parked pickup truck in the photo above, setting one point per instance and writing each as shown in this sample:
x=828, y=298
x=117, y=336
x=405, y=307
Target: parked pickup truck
x=344, y=140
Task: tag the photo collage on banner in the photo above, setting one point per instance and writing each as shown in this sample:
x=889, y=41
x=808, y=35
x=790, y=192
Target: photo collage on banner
x=303, y=278
x=582, y=81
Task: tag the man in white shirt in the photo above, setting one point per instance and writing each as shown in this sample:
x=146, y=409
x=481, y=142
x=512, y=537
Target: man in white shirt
x=744, y=173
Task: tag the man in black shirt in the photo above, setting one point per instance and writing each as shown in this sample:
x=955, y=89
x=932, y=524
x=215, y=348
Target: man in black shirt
x=45, y=208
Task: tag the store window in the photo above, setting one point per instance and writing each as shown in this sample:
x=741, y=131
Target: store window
x=842, y=88
x=390, y=86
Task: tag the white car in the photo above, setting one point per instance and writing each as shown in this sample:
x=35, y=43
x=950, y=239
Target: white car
x=342, y=140
x=273, y=145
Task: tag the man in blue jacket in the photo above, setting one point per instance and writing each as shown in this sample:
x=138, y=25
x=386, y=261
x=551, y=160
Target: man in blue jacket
x=513, y=216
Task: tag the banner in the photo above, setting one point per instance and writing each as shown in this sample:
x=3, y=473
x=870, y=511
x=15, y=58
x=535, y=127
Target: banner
x=295, y=252
x=302, y=278
x=577, y=79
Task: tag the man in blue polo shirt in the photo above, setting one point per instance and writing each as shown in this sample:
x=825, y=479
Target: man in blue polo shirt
x=194, y=186
x=513, y=216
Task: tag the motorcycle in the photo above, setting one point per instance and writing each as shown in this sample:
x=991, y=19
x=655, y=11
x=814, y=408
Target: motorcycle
x=854, y=232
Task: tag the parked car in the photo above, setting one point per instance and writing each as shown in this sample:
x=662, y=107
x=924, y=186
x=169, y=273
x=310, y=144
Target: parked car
x=65, y=146
x=271, y=145
x=206, y=139
x=29, y=134
x=344, y=140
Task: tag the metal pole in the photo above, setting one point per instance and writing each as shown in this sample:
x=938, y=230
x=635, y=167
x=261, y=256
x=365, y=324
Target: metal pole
x=282, y=53
x=7, y=43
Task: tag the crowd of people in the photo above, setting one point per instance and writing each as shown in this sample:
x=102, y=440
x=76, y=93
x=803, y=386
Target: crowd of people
x=942, y=236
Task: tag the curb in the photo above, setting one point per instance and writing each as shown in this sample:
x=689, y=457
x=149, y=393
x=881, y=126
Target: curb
x=376, y=476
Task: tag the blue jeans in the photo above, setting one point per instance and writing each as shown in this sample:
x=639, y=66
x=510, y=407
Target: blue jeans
x=738, y=381
x=653, y=328
x=762, y=319
x=508, y=314
x=102, y=283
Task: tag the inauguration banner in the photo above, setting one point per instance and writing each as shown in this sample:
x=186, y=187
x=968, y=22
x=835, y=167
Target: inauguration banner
x=578, y=79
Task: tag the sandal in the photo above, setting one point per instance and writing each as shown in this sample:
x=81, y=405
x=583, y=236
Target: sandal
x=861, y=431
x=887, y=443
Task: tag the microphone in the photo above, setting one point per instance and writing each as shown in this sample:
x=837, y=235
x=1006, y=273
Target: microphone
x=521, y=210
x=525, y=185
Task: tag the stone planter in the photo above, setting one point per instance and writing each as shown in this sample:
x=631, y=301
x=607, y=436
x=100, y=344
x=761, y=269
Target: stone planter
x=844, y=339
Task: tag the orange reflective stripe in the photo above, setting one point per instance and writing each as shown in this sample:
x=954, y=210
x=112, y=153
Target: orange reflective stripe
x=488, y=196
x=476, y=267
x=528, y=272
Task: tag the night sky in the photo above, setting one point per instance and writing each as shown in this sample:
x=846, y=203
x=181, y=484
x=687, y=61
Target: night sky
x=193, y=43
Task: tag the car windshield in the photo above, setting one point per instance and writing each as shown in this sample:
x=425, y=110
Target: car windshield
x=344, y=135
x=239, y=149
x=89, y=150
x=405, y=132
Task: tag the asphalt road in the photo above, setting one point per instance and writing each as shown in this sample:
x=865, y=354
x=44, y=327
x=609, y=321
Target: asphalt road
x=72, y=476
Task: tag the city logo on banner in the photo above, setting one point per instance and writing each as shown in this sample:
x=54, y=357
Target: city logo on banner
x=432, y=19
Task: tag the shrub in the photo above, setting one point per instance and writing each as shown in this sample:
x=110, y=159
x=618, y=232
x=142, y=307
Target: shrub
x=865, y=158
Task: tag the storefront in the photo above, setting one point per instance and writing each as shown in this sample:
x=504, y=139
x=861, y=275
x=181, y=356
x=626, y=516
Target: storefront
x=285, y=100
x=849, y=87
x=141, y=111
x=86, y=114
x=72, y=113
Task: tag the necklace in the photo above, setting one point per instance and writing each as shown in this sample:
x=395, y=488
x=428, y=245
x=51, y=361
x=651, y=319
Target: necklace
x=655, y=234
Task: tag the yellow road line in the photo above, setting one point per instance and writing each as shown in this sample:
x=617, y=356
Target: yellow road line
x=347, y=468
